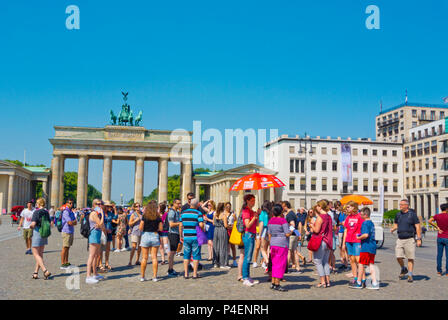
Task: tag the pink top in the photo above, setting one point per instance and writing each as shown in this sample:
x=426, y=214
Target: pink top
x=326, y=230
x=353, y=225
x=249, y=214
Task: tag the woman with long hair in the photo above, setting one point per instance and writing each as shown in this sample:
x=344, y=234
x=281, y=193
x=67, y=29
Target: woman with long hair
x=250, y=220
x=164, y=243
x=210, y=208
x=38, y=243
x=150, y=225
x=230, y=221
x=351, y=244
x=265, y=216
x=121, y=228
x=220, y=238
x=323, y=227
x=134, y=224
x=96, y=222
x=278, y=233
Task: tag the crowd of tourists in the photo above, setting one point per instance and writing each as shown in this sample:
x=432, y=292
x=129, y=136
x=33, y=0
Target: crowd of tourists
x=275, y=237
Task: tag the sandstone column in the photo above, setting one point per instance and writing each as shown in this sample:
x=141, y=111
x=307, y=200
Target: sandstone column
x=44, y=191
x=425, y=214
x=163, y=180
x=61, y=183
x=197, y=190
x=55, y=180
x=186, y=181
x=418, y=207
x=86, y=180
x=107, y=178
x=138, y=183
x=80, y=192
x=10, y=192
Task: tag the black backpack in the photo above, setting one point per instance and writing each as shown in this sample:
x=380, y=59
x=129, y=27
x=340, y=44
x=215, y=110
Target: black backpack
x=85, y=226
x=166, y=223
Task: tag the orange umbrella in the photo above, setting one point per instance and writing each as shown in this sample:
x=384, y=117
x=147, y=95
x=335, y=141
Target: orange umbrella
x=356, y=198
x=257, y=181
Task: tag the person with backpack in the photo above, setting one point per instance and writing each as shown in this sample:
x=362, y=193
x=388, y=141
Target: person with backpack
x=163, y=235
x=96, y=227
x=134, y=223
x=68, y=221
x=41, y=225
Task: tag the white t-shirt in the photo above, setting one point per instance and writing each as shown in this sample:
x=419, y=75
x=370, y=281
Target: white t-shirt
x=26, y=215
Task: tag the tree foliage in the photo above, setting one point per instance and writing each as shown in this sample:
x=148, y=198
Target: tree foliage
x=71, y=185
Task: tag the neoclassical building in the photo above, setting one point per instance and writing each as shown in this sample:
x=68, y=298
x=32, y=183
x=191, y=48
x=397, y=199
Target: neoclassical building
x=119, y=143
x=18, y=184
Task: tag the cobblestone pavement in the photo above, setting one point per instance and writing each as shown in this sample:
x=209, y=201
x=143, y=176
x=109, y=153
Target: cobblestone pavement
x=123, y=282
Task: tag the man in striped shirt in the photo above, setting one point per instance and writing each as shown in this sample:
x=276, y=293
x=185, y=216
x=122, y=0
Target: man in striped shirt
x=190, y=219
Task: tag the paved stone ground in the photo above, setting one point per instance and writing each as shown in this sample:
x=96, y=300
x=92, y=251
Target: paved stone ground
x=123, y=282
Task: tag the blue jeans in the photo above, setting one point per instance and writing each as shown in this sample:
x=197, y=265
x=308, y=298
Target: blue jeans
x=249, y=244
x=442, y=244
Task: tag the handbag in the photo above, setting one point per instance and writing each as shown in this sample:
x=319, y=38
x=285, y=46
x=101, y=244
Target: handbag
x=236, y=237
x=315, y=242
x=202, y=238
x=103, y=239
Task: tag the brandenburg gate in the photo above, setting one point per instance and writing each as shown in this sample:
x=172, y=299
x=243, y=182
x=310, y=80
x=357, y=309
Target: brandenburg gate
x=125, y=141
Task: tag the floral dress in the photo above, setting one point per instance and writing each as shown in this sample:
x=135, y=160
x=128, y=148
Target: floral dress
x=121, y=228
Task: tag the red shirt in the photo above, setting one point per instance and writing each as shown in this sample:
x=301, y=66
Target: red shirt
x=249, y=214
x=442, y=223
x=353, y=225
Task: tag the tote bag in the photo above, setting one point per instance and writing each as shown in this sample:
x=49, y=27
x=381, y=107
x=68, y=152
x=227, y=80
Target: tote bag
x=315, y=242
x=202, y=238
x=236, y=237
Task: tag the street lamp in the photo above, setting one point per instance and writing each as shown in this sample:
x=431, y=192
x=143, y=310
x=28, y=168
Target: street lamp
x=303, y=150
x=121, y=196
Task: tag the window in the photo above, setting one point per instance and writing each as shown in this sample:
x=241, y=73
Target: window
x=374, y=152
x=406, y=152
x=313, y=165
x=291, y=184
x=355, y=166
x=407, y=166
x=335, y=184
x=384, y=153
x=434, y=163
x=291, y=149
x=413, y=166
x=395, y=204
x=297, y=165
x=344, y=187
x=414, y=113
x=427, y=180
x=442, y=114
x=324, y=184
x=427, y=164
x=313, y=184
x=434, y=146
x=395, y=167
x=423, y=114
x=365, y=185
x=324, y=150
x=385, y=183
x=302, y=183
x=355, y=184
x=413, y=150
x=434, y=180
x=385, y=167
x=407, y=182
x=324, y=165
x=413, y=182
x=394, y=153
x=355, y=152
x=420, y=149
x=375, y=167
x=414, y=124
x=334, y=166
x=291, y=165
x=420, y=181
x=313, y=150
x=364, y=152
x=420, y=164
x=334, y=151
x=433, y=115
x=395, y=185
x=426, y=147
x=302, y=166
x=365, y=167
x=375, y=185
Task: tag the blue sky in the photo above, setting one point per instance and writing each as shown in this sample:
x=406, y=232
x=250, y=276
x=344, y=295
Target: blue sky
x=293, y=65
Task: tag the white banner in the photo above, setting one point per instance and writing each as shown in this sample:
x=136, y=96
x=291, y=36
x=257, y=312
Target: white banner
x=346, y=159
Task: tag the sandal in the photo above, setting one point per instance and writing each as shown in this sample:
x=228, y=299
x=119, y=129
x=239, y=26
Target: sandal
x=108, y=267
x=328, y=285
x=102, y=269
x=186, y=277
x=137, y=263
x=35, y=275
x=47, y=274
x=197, y=277
x=240, y=279
x=321, y=285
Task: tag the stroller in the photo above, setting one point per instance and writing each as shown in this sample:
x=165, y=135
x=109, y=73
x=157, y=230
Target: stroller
x=15, y=214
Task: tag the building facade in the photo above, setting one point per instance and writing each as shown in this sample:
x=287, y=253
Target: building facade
x=317, y=168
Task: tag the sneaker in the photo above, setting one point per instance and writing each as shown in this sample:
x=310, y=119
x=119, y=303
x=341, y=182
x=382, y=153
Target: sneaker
x=404, y=271
x=225, y=267
x=374, y=286
x=215, y=266
x=124, y=249
x=63, y=267
x=28, y=251
x=113, y=250
x=91, y=280
x=255, y=265
x=356, y=285
x=98, y=277
x=117, y=250
x=155, y=279
x=254, y=281
x=142, y=279
x=263, y=265
x=410, y=279
x=248, y=283
x=279, y=288
x=172, y=273
x=234, y=264
x=128, y=248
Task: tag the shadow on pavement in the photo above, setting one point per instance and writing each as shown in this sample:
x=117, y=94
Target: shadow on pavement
x=122, y=276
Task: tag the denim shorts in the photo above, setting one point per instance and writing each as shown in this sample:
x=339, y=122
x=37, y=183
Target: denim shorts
x=353, y=248
x=37, y=240
x=150, y=239
x=95, y=236
x=191, y=247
